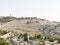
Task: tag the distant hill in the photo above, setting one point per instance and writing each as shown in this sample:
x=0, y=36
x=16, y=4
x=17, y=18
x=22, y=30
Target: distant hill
x=31, y=25
x=6, y=19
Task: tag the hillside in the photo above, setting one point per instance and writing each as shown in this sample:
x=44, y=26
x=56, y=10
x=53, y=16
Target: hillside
x=6, y=19
x=32, y=24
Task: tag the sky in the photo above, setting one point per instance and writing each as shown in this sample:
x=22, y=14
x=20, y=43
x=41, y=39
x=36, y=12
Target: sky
x=45, y=9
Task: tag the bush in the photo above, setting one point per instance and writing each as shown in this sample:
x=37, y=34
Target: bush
x=58, y=40
x=20, y=36
x=52, y=39
x=2, y=32
x=38, y=36
x=52, y=44
x=32, y=38
x=42, y=43
x=4, y=43
x=35, y=37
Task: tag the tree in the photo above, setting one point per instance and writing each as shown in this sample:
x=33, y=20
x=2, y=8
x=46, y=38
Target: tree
x=25, y=37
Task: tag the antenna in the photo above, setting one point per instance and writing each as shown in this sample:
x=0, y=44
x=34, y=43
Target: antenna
x=10, y=15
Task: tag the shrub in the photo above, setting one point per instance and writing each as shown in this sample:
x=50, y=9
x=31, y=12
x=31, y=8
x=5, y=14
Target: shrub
x=58, y=40
x=4, y=43
x=52, y=44
x=52, y=39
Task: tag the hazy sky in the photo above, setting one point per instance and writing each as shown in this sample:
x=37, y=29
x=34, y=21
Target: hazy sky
x=46, y=9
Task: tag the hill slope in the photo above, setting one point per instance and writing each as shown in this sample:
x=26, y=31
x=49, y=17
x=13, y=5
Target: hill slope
x=47, y=28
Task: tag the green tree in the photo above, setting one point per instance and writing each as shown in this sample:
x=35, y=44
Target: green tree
x=25, y=37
